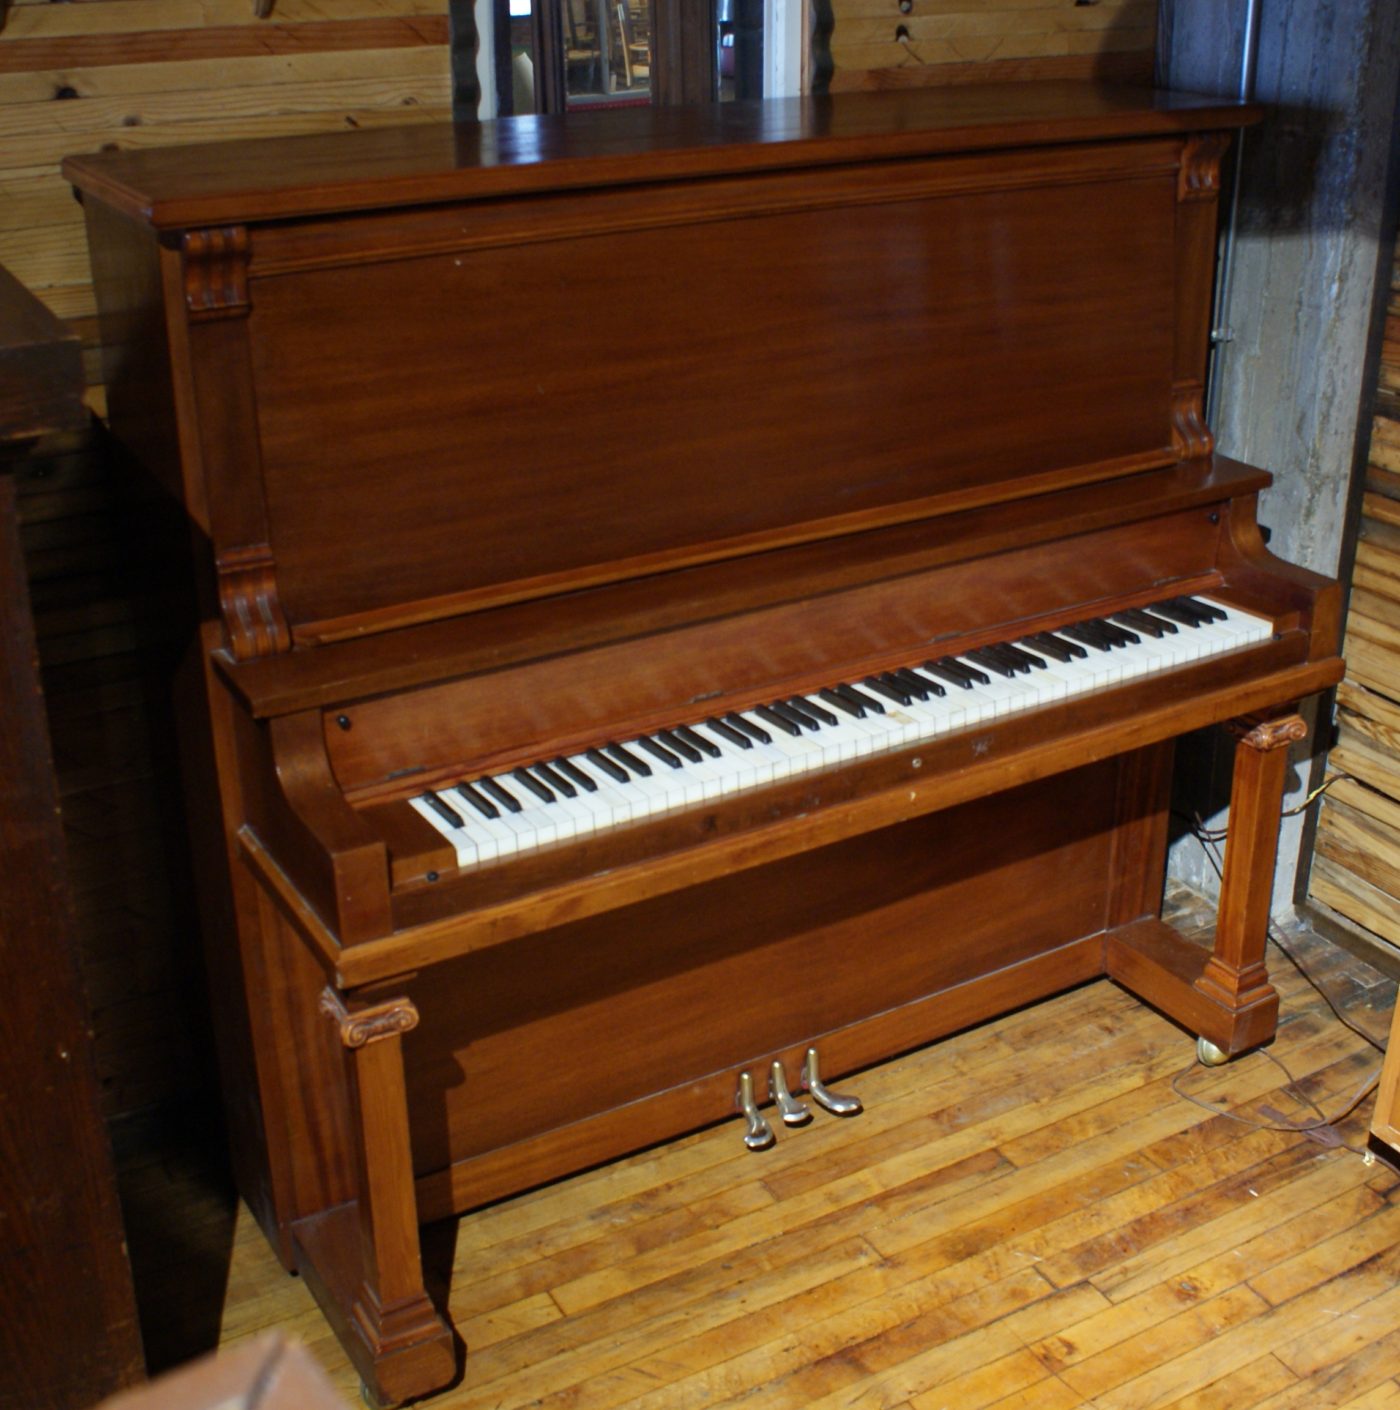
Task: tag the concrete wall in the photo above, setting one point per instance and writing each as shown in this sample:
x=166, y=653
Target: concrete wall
x=1307, y=254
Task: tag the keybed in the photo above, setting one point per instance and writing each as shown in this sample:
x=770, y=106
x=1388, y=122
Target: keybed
x=486, y=818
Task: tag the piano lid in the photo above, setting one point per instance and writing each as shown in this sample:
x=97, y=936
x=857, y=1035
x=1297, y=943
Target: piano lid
x=321, y=173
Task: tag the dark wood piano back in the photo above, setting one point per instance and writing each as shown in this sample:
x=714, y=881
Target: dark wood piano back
x=795, y=321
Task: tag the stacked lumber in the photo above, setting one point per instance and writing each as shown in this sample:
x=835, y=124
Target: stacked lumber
x=1356, y=870
x=105, y=584
x=891, y=43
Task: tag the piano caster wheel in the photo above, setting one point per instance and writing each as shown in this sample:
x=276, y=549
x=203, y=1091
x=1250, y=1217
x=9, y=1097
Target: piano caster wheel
x=838, y=1103
x=759, y=1135
x=1208, y=1055
x=372, y=1400
x=793, y=1112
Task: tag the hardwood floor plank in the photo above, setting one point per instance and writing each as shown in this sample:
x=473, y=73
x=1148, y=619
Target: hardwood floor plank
x=1240, y=1389
x=1338, y=1255
x=1109, y=1376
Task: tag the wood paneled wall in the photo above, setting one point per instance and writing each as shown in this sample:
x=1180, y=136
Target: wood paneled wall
x=888, y=43
x=89, y=74
x=1357, y=867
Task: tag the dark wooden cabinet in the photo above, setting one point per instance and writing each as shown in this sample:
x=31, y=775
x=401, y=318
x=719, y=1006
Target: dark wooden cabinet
x=68, y=1329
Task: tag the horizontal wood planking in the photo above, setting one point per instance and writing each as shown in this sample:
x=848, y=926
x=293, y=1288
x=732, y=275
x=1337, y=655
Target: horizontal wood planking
x=875, y=34
x=145, y=73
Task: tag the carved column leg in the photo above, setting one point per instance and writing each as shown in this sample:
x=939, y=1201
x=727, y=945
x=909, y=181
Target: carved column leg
x=1235, y=977
x=399, y=1341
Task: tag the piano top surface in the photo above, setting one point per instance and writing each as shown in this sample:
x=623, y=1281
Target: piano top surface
x=322, y=173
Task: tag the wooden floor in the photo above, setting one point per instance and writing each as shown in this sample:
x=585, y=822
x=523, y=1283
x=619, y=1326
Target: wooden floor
x=1030, y=1214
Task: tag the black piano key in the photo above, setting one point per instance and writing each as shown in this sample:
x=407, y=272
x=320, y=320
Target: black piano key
x=444, y=810
x=849, y=707
x=484, y=806
x=924, y=683
x=551, y=778
x=773, y=718
x=527, y=780
x=673, y=741
x=657, y=750
x=859, y=697
x=754, y=732
x=600, y=761
x=819, y=713
x=1175, y=613
x=1077, y=632
x=1033, y=662
x=628, y=760
x=698, y=741
x=917, y=687
x=1118, y=634
x=1209, y=610
x=572, y=770
x=730, y=732
x=1100, y=632
x=1170, y=627
x=983, y=657
x=880, y=686
x=1140, y=621
x=502, y=795
x=1060, y=647
x=798, y=716
x=1004, y=652
x=954, y=672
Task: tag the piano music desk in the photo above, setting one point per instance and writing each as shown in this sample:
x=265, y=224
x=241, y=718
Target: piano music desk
x=922, y=375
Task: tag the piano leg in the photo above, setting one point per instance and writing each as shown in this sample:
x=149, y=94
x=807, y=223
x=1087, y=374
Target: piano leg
x=1235, y=976
x=364, y=1259
x=1223, y=995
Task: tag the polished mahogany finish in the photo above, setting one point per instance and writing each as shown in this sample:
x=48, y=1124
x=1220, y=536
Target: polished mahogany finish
x=515, y=440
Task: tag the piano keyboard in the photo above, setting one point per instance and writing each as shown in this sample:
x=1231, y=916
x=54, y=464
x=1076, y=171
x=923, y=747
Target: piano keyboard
x=490, y=817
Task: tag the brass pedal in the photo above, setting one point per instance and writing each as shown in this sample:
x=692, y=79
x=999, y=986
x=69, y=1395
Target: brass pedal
x=838, y=1103
x=793, y=1112
x=759, y=1135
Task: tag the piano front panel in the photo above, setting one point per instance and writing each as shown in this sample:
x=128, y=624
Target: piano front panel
x=1019, y=337
x=661, y=995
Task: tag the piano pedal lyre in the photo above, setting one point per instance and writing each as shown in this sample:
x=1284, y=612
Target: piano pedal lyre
x=838, y=1103
x=759, y=1135
x=793, y=1112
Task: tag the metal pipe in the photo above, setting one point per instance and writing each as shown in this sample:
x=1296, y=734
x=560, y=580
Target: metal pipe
x=1222, y=334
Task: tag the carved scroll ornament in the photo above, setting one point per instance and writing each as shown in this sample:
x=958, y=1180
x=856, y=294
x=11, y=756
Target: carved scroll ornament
x=391, y=1019
x=252, y=614
x=1198, y=178
x=1191, y=436
x=216, y=271
x=1266, y=735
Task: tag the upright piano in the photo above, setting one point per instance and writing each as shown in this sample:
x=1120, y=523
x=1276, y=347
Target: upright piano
x=699, y=601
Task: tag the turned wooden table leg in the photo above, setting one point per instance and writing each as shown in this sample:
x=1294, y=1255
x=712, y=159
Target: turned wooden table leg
x=410, y=1347
x=1235, y=977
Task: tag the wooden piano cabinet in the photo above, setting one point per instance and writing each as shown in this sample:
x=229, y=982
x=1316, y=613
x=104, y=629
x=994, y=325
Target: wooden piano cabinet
x=919, y=372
